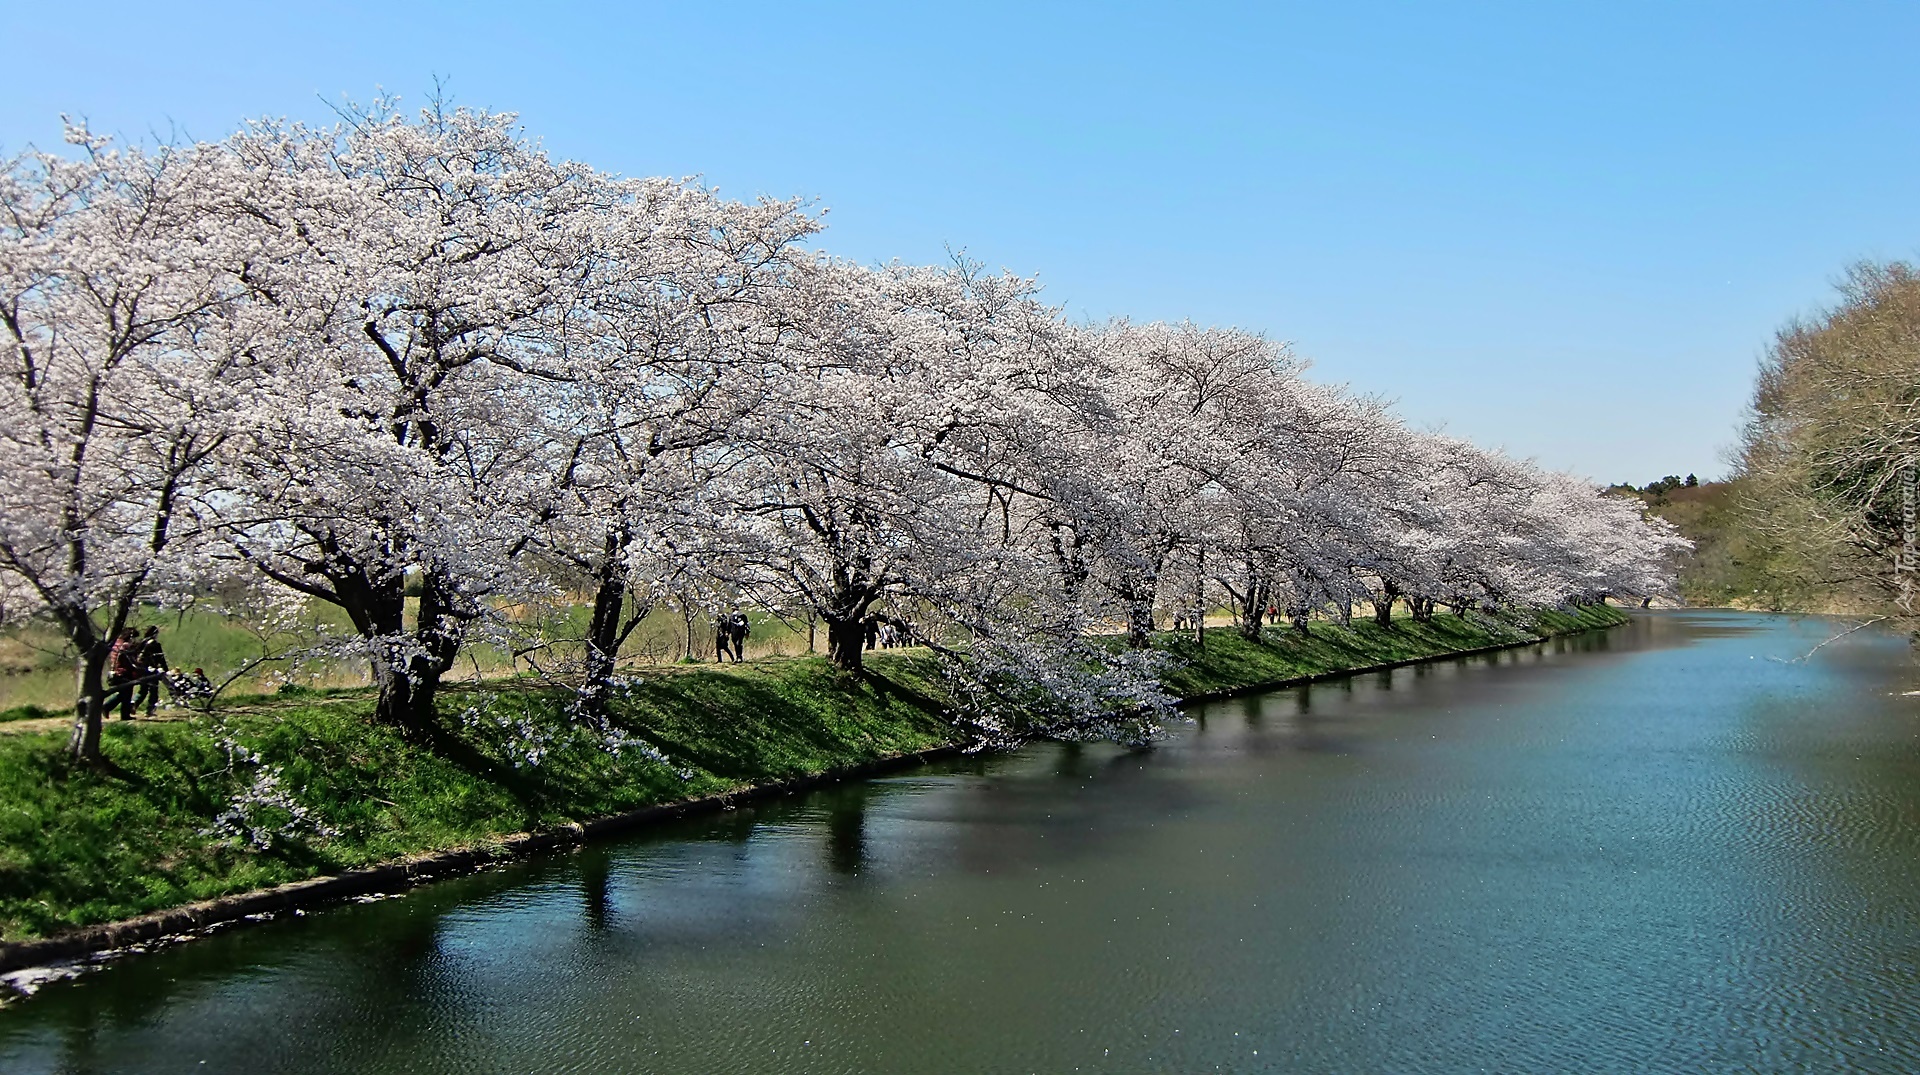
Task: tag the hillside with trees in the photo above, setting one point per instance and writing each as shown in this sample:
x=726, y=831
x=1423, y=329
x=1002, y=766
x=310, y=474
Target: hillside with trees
x=1719, y=571
x=1819, y=516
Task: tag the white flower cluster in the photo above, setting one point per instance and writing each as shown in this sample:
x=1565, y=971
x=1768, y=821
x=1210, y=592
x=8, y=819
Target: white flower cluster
x=265, y=810
x=525, y=740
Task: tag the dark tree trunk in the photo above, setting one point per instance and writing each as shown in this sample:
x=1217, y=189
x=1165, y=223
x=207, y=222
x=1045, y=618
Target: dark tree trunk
x=407, y=665
x=847, y=613
x=1139, y=623
x=606, y=629
x=90, y=705
x=91, y=695
x=846, y=642
x=1253, y=608
x=389, y=653
x=1200, y=600
x=439, y=630
x=1383, y=605
x=600, y=663
x=1069, y=557
x=402, y=702
x=1137, y=590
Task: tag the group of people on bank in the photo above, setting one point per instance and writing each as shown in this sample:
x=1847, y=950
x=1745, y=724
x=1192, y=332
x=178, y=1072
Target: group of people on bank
x=879, y=632
x=137, y=669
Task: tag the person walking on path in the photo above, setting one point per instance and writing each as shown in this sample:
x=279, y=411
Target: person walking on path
x=123, y=667
x=741, y=627
x=153, y=669
x=730, y=636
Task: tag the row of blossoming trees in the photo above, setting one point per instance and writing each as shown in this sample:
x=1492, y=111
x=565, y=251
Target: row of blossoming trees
x=417, y=369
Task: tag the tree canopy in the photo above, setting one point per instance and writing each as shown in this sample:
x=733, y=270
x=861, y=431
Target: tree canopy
x=414, y=354
x=1828, y=459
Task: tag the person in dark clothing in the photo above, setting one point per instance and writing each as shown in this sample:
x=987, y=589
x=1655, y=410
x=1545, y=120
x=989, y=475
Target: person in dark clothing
x=153, y=668
x=740, y=627
x=730, y=636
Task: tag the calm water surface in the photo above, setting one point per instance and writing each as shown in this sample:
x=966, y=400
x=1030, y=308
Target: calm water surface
x=1666, y=848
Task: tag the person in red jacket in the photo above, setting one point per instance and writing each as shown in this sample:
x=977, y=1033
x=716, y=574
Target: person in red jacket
x=123, y=667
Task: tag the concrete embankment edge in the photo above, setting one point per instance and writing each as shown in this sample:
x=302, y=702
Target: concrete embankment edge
x=186, y=922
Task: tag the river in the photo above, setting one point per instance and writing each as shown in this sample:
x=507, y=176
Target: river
x=1672, y=847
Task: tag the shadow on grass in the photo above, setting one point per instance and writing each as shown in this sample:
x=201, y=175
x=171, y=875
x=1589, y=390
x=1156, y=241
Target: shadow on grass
x=448, y=745
x=781, y=719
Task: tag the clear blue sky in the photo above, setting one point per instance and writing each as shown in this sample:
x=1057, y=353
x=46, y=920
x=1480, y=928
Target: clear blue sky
x=1569, y=231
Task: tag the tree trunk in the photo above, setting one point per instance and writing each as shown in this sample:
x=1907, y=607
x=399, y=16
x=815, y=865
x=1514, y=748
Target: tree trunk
x=90, y=706
x=1139, y=623
x=91, y=694
x=846, y=643
x=1200, y=602
x=599, y=676
x=407, y=681
x=1253, y=609
x=1383, y=605
x=1137, y=593
x=1069, y=559
x=604, y=633
x=401, y=702
x=408, y=665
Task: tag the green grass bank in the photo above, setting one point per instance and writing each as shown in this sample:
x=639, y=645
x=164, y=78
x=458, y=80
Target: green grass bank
x=298, y=785
x=1229, y=664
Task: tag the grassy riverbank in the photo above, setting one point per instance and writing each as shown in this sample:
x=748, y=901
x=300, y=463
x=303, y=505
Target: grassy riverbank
x=282, y=788
x=1229, y=663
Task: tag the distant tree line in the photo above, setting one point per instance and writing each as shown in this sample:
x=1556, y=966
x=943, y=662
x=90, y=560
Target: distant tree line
x=1662, y=486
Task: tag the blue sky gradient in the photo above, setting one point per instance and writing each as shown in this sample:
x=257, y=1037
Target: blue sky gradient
x=1565, y=230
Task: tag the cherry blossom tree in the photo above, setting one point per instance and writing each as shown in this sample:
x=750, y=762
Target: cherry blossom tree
x=674, y=347
x=117, y=354
x=840, y=509
x=1182, y=407
x=415, y=267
